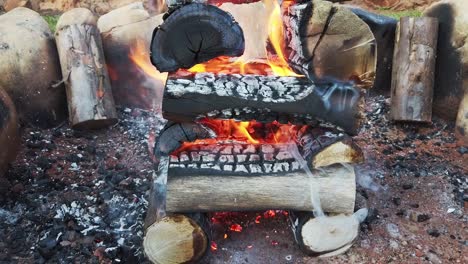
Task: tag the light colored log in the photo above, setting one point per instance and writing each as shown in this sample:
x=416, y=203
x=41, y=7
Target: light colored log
x=344, y=151
x=175, y=239
x=9, y=134
x=462, y=118
x=413, y=69
x=336, y=184
x=90, y=100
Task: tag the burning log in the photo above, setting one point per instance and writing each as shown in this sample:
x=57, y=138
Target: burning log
x=9, y=134
x=193, y=34
x=326, y=40
x=413, y=71
x=90, y=100
x=263, y=98
x=326, y=236
x=177, y=239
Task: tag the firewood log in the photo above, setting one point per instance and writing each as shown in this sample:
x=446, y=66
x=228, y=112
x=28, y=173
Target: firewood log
x=263, y=98
x=193, y=34
x=9, y=134
x=90, y=100
x=326, y=40
x=413, y=70
x=177, y=239
x=462, y=118
x=326, y=236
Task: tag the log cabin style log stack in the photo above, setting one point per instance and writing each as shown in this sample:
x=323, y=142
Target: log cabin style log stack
x=231, y=175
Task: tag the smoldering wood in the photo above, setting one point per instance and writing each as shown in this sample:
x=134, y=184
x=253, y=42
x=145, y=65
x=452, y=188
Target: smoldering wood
x=384, y=29
x=89, y=94
x=325, y=40
x=263, y=98
x=9, y=132
x=325, y=236
x=193, y=34
x=289, y=191
x=177, y=238
x=413, y=71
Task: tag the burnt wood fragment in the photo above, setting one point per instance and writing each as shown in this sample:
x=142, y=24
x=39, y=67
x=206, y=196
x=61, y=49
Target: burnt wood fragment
x=193, y=34
x=263, y=98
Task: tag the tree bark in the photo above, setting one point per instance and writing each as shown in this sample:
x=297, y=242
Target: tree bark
x=289, y=191
x=177, y=239
x=89, y=94
x=263, y=98
x=413, y=69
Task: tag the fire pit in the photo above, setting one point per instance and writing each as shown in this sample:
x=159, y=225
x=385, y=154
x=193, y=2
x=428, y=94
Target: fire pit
x=251, y=135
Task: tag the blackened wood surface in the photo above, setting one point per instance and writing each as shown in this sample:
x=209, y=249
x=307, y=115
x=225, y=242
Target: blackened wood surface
x=193, y=34
x=413, y=69
x=263, y=98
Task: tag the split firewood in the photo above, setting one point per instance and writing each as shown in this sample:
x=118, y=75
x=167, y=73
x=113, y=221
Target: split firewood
x=326, y=236
x=326, y=40
x=413, y=71
x=9, y=134
x=193, y=34
x=30, y=67
x=177, y=239
x=90, y=100
x=263, y=98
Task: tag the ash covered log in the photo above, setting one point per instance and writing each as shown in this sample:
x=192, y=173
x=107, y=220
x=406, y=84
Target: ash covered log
x=326, y=236
x=263, y=98
x=413, y=71
x=9, y=134
x=90, y=100
x=193, y=34
x=289, y=191
x=326, y=40
x=177, y=239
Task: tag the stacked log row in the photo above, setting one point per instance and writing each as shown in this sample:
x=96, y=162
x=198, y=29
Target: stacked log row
x=90, y=100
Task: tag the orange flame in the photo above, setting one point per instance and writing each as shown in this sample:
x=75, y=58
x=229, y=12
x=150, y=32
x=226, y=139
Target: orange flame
x=274, y=65
x=140, y=55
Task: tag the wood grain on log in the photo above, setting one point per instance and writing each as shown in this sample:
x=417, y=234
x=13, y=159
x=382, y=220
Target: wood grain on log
x=289, y=191
x=9, y=134
x=90, y=100
x=175, y=239
x=193, y=34
x=413, y=71
x=263, y=98
x=329, y=41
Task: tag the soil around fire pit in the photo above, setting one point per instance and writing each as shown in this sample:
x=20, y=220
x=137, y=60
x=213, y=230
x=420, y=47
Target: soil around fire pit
x=81, y=197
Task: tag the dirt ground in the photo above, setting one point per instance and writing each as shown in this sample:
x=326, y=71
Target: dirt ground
x=79, y=197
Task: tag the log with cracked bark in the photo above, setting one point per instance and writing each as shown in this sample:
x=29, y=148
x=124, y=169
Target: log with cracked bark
x=326, y=40
x=263, y=98
x=89, y=94
x=413, y=71
x=195, y=33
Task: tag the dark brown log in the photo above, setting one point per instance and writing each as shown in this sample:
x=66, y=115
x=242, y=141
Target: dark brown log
x=177, y=239
x=326, y=40
x=263, y=98
x=89, y=94
x=413, y=71
x=326, y=236
x=193, y=34
x=9, y=134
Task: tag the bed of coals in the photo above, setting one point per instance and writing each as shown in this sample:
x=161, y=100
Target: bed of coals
x=80, y=197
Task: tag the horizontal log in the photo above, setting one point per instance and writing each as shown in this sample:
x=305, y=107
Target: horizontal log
x=291, y=191
x=263, y=98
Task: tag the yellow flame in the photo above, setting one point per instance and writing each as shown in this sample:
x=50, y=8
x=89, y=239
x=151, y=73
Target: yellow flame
x=140, y=55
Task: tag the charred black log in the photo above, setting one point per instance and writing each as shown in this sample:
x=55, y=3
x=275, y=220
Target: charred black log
x=263, y=98
x=193, y=34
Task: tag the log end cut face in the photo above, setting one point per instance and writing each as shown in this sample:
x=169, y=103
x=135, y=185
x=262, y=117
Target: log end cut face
x=175, y=239
x=193, y=34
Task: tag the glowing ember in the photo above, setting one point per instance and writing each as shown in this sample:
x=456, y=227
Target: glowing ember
x=225, y=236
x=249, y=246
x=236, y=228
x=274, y=65
x=257, y=219
x=269, y=213
x=214, y=246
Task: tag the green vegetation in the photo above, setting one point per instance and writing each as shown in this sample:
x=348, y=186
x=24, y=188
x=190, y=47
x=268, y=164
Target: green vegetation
x=52, y=21
x=398, y=14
